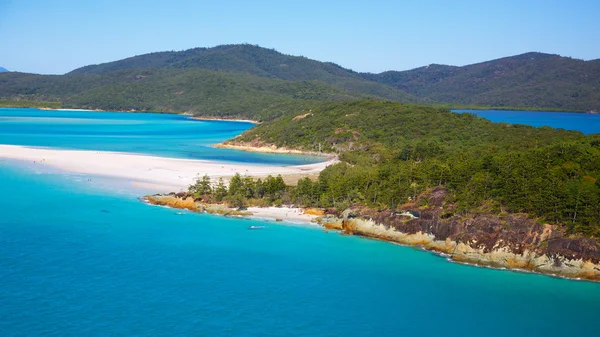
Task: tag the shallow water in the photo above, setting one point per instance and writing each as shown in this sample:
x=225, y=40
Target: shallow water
x=81, y=255
x=582, y=122
x=154, y=134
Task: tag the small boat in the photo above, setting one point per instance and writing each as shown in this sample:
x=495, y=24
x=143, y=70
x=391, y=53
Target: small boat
x=256, y=227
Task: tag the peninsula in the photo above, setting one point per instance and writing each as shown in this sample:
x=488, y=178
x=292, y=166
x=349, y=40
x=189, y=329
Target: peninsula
x=495, y=194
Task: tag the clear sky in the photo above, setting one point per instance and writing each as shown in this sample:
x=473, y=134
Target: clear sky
x=56, y=36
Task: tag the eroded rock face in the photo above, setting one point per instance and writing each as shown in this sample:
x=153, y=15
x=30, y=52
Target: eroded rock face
x=509, y=241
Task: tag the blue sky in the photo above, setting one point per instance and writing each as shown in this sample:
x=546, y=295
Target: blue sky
x=54, y=37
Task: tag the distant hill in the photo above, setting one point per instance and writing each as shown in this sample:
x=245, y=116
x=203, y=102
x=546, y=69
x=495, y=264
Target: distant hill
x=197, y=91
x=254, y=82
x=3, y=70
x=263, y=62
x=527, y=80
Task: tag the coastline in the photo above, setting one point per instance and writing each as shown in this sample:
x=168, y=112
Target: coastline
x=529, y=258
x=220, y=119
x=166, y=174
x=191, y=116
x=273, y=149
x=286, y=214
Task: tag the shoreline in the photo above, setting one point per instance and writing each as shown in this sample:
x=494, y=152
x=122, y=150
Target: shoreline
x=274, y=149
x=189, y=115
x=220, y=119
x=161, y=172
x=285, y=214
x=455, y=252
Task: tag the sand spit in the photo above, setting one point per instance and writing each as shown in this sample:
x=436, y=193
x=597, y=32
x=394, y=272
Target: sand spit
x=172, y=173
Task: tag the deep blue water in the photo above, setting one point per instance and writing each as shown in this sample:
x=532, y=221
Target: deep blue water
x=87, y=258
x=154, y=134
x=586, y=123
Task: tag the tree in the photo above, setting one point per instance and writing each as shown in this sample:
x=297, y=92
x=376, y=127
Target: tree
x=220, y=190
x=201, y=187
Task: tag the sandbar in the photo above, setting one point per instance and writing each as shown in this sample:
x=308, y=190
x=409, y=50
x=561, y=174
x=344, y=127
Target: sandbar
x=166, y=174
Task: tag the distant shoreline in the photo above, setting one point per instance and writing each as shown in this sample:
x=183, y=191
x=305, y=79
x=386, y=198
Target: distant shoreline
x=221, y=119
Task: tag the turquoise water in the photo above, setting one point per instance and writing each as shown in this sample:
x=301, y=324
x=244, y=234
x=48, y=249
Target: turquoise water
x=87, y=258
x=585, y=123
x=82, y=260
x=154, y=134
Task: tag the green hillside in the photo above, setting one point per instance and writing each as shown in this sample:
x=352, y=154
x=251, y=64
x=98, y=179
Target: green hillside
x=197, y=91
x=257, y=61
x=253, y=82
x=527, y=80
x=393, y=152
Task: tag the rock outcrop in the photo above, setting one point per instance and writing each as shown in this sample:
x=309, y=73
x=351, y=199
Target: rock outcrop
x=510, y=241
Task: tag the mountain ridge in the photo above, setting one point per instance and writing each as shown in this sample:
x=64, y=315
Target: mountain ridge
x=530, y=80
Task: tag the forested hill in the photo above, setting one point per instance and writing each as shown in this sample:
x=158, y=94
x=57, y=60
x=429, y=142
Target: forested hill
x=198, y=91
x=527, y=80
x=255, y=60
x=253, y=82
x=397, y=151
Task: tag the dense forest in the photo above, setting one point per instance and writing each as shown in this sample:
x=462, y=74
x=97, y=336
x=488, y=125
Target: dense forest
x=253, y=82
x=392, y=152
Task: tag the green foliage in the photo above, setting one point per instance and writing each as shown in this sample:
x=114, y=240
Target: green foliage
x=271, y=191
x=196, y=91
x=257, y=61
x=201, y=187
x=394, y=152
x=220, y=191
x=29, y=104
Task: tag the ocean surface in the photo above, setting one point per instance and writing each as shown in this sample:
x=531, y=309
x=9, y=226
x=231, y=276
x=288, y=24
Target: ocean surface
x=81, y=257
x=582, y=122
x=164, y=135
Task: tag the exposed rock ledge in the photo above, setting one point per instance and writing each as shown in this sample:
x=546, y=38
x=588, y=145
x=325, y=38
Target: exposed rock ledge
x=510, y=241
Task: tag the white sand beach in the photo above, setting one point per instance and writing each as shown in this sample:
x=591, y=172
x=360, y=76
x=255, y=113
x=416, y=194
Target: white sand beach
x=165, y=174
x=287, y=214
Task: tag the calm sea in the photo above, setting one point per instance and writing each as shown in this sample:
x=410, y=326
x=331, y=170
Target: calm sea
x=585, y=123
x=87, y=258
x=147, y=133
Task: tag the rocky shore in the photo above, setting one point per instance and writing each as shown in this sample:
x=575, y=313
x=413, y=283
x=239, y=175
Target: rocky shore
x=511, y=241
x=183, y=201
